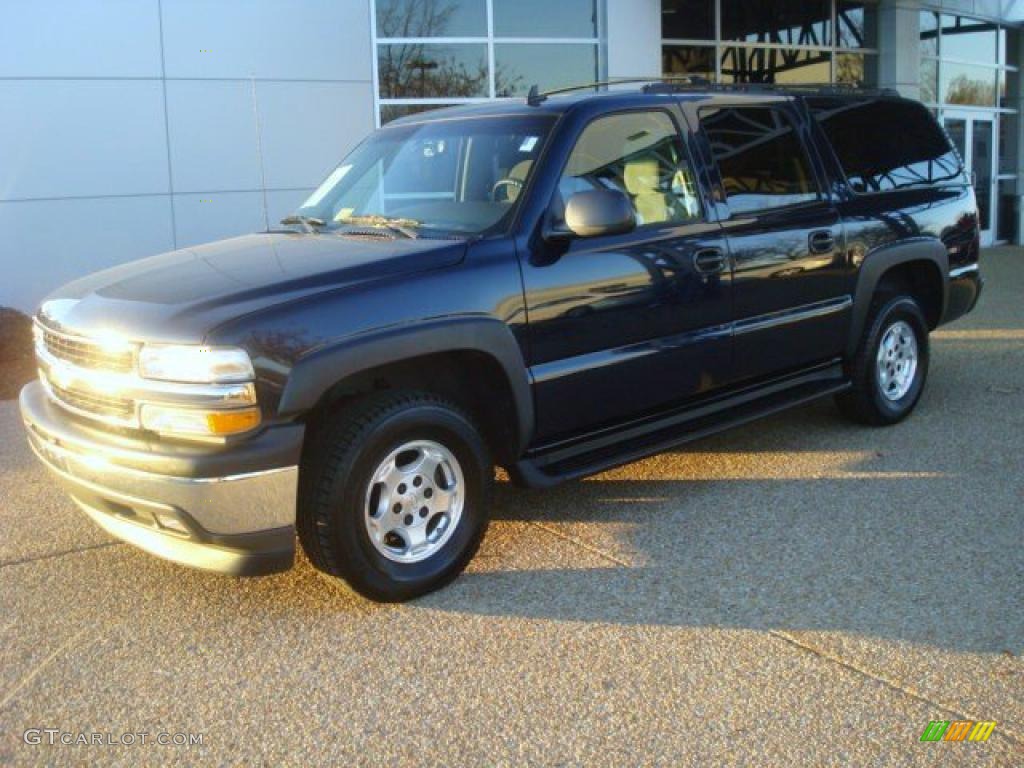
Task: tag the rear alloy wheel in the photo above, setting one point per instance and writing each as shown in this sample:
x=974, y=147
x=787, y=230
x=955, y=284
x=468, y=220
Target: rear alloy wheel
x=891, y=364
x=896, y=361
x=394, y=494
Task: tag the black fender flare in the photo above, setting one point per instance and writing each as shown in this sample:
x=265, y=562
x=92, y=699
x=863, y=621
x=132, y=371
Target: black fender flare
x=313, y=375
x=881, y=260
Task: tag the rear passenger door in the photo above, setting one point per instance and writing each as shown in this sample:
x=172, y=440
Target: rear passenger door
x=791, y=306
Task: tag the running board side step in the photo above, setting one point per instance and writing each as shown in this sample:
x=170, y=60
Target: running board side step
x=555, y=465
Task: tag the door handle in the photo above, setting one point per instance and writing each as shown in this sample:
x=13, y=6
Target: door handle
x=709, y=261
x=821, y=241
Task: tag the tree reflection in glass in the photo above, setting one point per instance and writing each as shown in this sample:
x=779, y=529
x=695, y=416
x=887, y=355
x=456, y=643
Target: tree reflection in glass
x=424, y=69
x=431, y=18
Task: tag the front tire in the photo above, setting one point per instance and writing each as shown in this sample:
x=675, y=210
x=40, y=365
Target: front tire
x=889, y=370
x=395, y=495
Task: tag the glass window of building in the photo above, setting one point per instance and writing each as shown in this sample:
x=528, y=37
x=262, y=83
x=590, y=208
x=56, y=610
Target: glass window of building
x=788, y=22
x=543, y=18
x=775, y=65
x=968, y=76
x=775, y=41
x=856, y=24
x=1008, y=127
x=695, y=60
x=435, y=53
x=963, y=61
x=928, y=31
x=967, y=84
x=431, y=18
x=967, y=39
x=688, y=19
x=389, y=112
x=856, y=69
x=432, y=70
x=517, y=66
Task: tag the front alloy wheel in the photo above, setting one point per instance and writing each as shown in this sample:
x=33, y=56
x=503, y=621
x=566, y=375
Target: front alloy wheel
x=394, y=493
x=414, y=501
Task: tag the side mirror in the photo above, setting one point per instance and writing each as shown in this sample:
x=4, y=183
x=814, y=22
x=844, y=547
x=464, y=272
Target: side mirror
x=599, y=212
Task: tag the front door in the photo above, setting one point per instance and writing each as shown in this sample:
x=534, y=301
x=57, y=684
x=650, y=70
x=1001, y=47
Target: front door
x=624, y=325
x=973, y=135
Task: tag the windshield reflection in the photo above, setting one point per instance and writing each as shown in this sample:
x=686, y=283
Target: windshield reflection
x=462, y=176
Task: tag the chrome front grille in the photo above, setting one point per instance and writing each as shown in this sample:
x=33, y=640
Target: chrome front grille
x=85, y=353
x=98, y=379
x=85, y=375
x=115, y=410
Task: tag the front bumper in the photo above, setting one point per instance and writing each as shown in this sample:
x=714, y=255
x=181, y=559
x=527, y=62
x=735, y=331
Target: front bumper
x=228, y=510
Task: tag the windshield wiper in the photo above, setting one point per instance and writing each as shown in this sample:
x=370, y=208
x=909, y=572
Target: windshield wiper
x=309, y=224
x=405, y=227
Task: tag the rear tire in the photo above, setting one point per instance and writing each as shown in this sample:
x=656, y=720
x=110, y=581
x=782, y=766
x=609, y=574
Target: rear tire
x=394, y=496
x=890, y=367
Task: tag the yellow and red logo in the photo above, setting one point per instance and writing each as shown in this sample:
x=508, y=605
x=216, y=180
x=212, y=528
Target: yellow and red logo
x=958, y=730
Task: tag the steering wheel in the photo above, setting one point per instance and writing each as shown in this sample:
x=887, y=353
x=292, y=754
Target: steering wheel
x=508, y=181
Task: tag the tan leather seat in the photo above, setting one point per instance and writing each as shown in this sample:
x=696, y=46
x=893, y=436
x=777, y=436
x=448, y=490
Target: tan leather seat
x=643, y=185
x=517, y=172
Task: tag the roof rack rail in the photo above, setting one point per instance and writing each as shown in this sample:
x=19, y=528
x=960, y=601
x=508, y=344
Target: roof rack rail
x=537, y=97
x=683, y=83
x=811, y=88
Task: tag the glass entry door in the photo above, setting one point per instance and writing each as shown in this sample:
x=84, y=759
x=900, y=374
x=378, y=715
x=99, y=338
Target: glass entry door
x=973, y=136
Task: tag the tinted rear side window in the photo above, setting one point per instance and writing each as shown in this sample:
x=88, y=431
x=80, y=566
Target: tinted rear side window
x=761, y=159
x=887, y=144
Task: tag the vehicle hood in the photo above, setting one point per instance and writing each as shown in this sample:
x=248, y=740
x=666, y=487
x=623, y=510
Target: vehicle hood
x=181, y=295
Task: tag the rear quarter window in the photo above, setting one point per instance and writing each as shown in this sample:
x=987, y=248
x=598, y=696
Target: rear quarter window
x=887, y=144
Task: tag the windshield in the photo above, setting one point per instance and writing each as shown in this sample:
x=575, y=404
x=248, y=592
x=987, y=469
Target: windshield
x=450, y=176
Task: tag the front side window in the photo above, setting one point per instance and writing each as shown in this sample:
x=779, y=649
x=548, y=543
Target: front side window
x=641, y=155
x=761, y=159
x=875, y=157
x=448, y=176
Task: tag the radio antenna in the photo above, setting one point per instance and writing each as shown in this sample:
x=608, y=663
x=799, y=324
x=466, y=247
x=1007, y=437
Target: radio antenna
x=259, y=152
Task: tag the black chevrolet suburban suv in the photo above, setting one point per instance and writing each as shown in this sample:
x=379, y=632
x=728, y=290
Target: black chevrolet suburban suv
x=554, y=286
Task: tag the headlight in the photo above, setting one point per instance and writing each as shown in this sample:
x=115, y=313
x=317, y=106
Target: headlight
x=195, y=422
x=195, y=365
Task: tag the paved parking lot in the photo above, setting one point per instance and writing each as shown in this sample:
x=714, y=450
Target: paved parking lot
x=798, y=591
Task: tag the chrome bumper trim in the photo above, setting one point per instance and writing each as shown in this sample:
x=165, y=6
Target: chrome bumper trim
x=234, y=504
x=237, y=560
x=148, y=526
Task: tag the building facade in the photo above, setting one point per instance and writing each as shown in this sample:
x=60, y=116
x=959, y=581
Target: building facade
x=133, y=127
